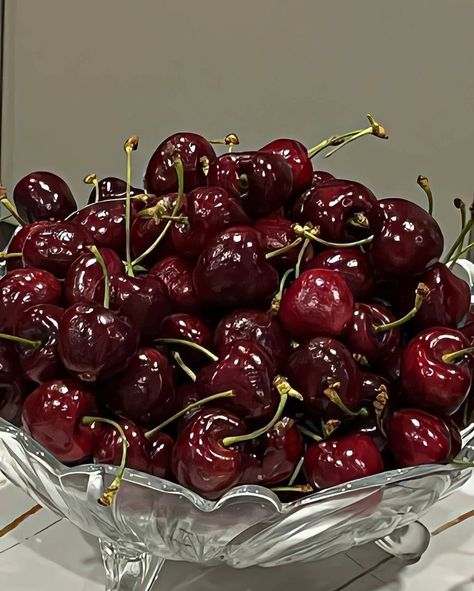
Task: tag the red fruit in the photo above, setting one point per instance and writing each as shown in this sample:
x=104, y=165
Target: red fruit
x=112, y=188
x=12, y=385
x=17, y=242
x=161, y=449
x=176, y=274
x=188, y=328
x=296, y=156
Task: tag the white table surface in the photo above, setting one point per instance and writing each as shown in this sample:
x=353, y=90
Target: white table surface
x=44, y=554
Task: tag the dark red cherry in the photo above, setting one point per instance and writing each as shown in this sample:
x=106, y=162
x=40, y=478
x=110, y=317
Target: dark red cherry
x=193, y=150
x=17, y=242
x=55, y=247
x=353, y=265
x=456, y=437
x=107, y=448
x=272, y=458
x=187, y=327
x=323, y=363
x=112, y=188
x=416, y=437
x=468, y=331
x=430, y=377
x=52, y=415
x=318, y=302
x=160, y=450
x=22, y=288
x=320, y=177
x=40, y=323
x=144, y=391
x=85, y=272
x=12, y=384
x=232, y=270
x=200, y=461
x=296, y=156
x=176, y=274
x=262, y=181
x=342, y=459
x=331, y=206
x=245, y=368
x=208, y=210
x=407, y=239
x=277, y=232
x=95, y=343
x=186, y=394
x=253, y=325
x=372, y=385
x=43, y=196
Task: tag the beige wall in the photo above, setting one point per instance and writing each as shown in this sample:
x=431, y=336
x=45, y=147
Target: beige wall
x=84, y=75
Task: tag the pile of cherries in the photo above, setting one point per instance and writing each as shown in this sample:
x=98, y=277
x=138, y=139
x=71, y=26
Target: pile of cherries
x=244, y=319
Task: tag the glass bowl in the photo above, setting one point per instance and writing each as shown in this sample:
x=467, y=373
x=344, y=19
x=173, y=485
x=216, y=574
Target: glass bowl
x=153, y=520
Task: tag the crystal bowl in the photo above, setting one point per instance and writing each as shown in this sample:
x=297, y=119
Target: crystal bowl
x=153, y=520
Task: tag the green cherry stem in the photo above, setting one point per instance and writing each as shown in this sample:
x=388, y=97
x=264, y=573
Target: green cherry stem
x=8, y=205
x=299, y=260
x=182, y=412
x=107, y=497
x=302, y=488
x=460, y=253
x=190, y=344
x=459, y=204
x=285, y=391
x=296, y=471
x=91, y=179
x=275, y=305
x=283, y=249
x=231, y=140
x=459, y=240
x=6, y=217
x=374, y=129
x=187, y=370
x=455, y=355
x=309, y=433
x=313, y=234
x=129, y=146
x=20, y=340
x=100, y=259
x=9, y=255
x=424, y=183
x=421, y=293
x=333, y=395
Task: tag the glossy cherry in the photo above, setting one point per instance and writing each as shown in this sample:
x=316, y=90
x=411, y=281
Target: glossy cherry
x=232, y=270
x=296, y=156
x=144, y=392
x=353, y=265
x=262, y=181
x=40, y=323
x=22, y=288
x=18, y=240
x=342, y=459
x=208, y=211
x=320, y=177
x=318, y=302
x=112, y=188
x=253, y=325
x=52, y=415
x=407, y=239
x=429, y=377
x=372, y=385
x=55, y=247
x=95, y=343
x=416, y=437
x=43, y=196
x=187, y=327
x=176, y=274
x=160, y=449
x=193, y=149
x=12, y=384
x=200, y=461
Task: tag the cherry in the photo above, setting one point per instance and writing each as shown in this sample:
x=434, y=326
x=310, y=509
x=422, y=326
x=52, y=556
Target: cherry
x=40, y=323
x=176, y=274
x=17, y=242
x=353, y=265
x=436, y=371
x=112, y=188
x=161, y=449
x=52, y=415
x=416, y=437
x=208, y=211
x=332, y=206
x=339, y=460
x=320, y=177
x=55, y=247
x=253, y=325
x=144, y=391
x=186, y=394
x=296, y=156
x=43, y=196
x=318, y=302
x=273, y=457
x=187, y=327
x=12, y=385
x=194, y=151
x=262, y=181
x=372, y=385
x=245, y=368
x=468, y=331
x=94, y=343
x=85, y=272
x=21, y=289
x=325, y=373
x=232, y=270
x=200, y=461
x=407, y=239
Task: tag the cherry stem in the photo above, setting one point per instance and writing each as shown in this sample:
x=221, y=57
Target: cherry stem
x=379, y=405
x=333, y=395
x=329, y=427
x=20, y=340
x=129, y=146
x=107, y=497
x=460, y=253
x=9, y=255
x=100, y=259
x=299, y=260
x=178, y=164
x=176, y=218
x=6, y=217
x=275, y=305
x=459, y=240
x=283, y=249
x=166, y=341
x=296, y=471
x=7, y=204
x=91, y=179
x=231, y=140
x=187, y=370
x=19, y=520
x=424, y=183
x=421, y=293
x=359, y=220
x=309, y=433
x=183, y=411
x=304, y=488
x=459, y=204
x=312, y=234
x=284, y=390
x=453, y=522
x=455, y=355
